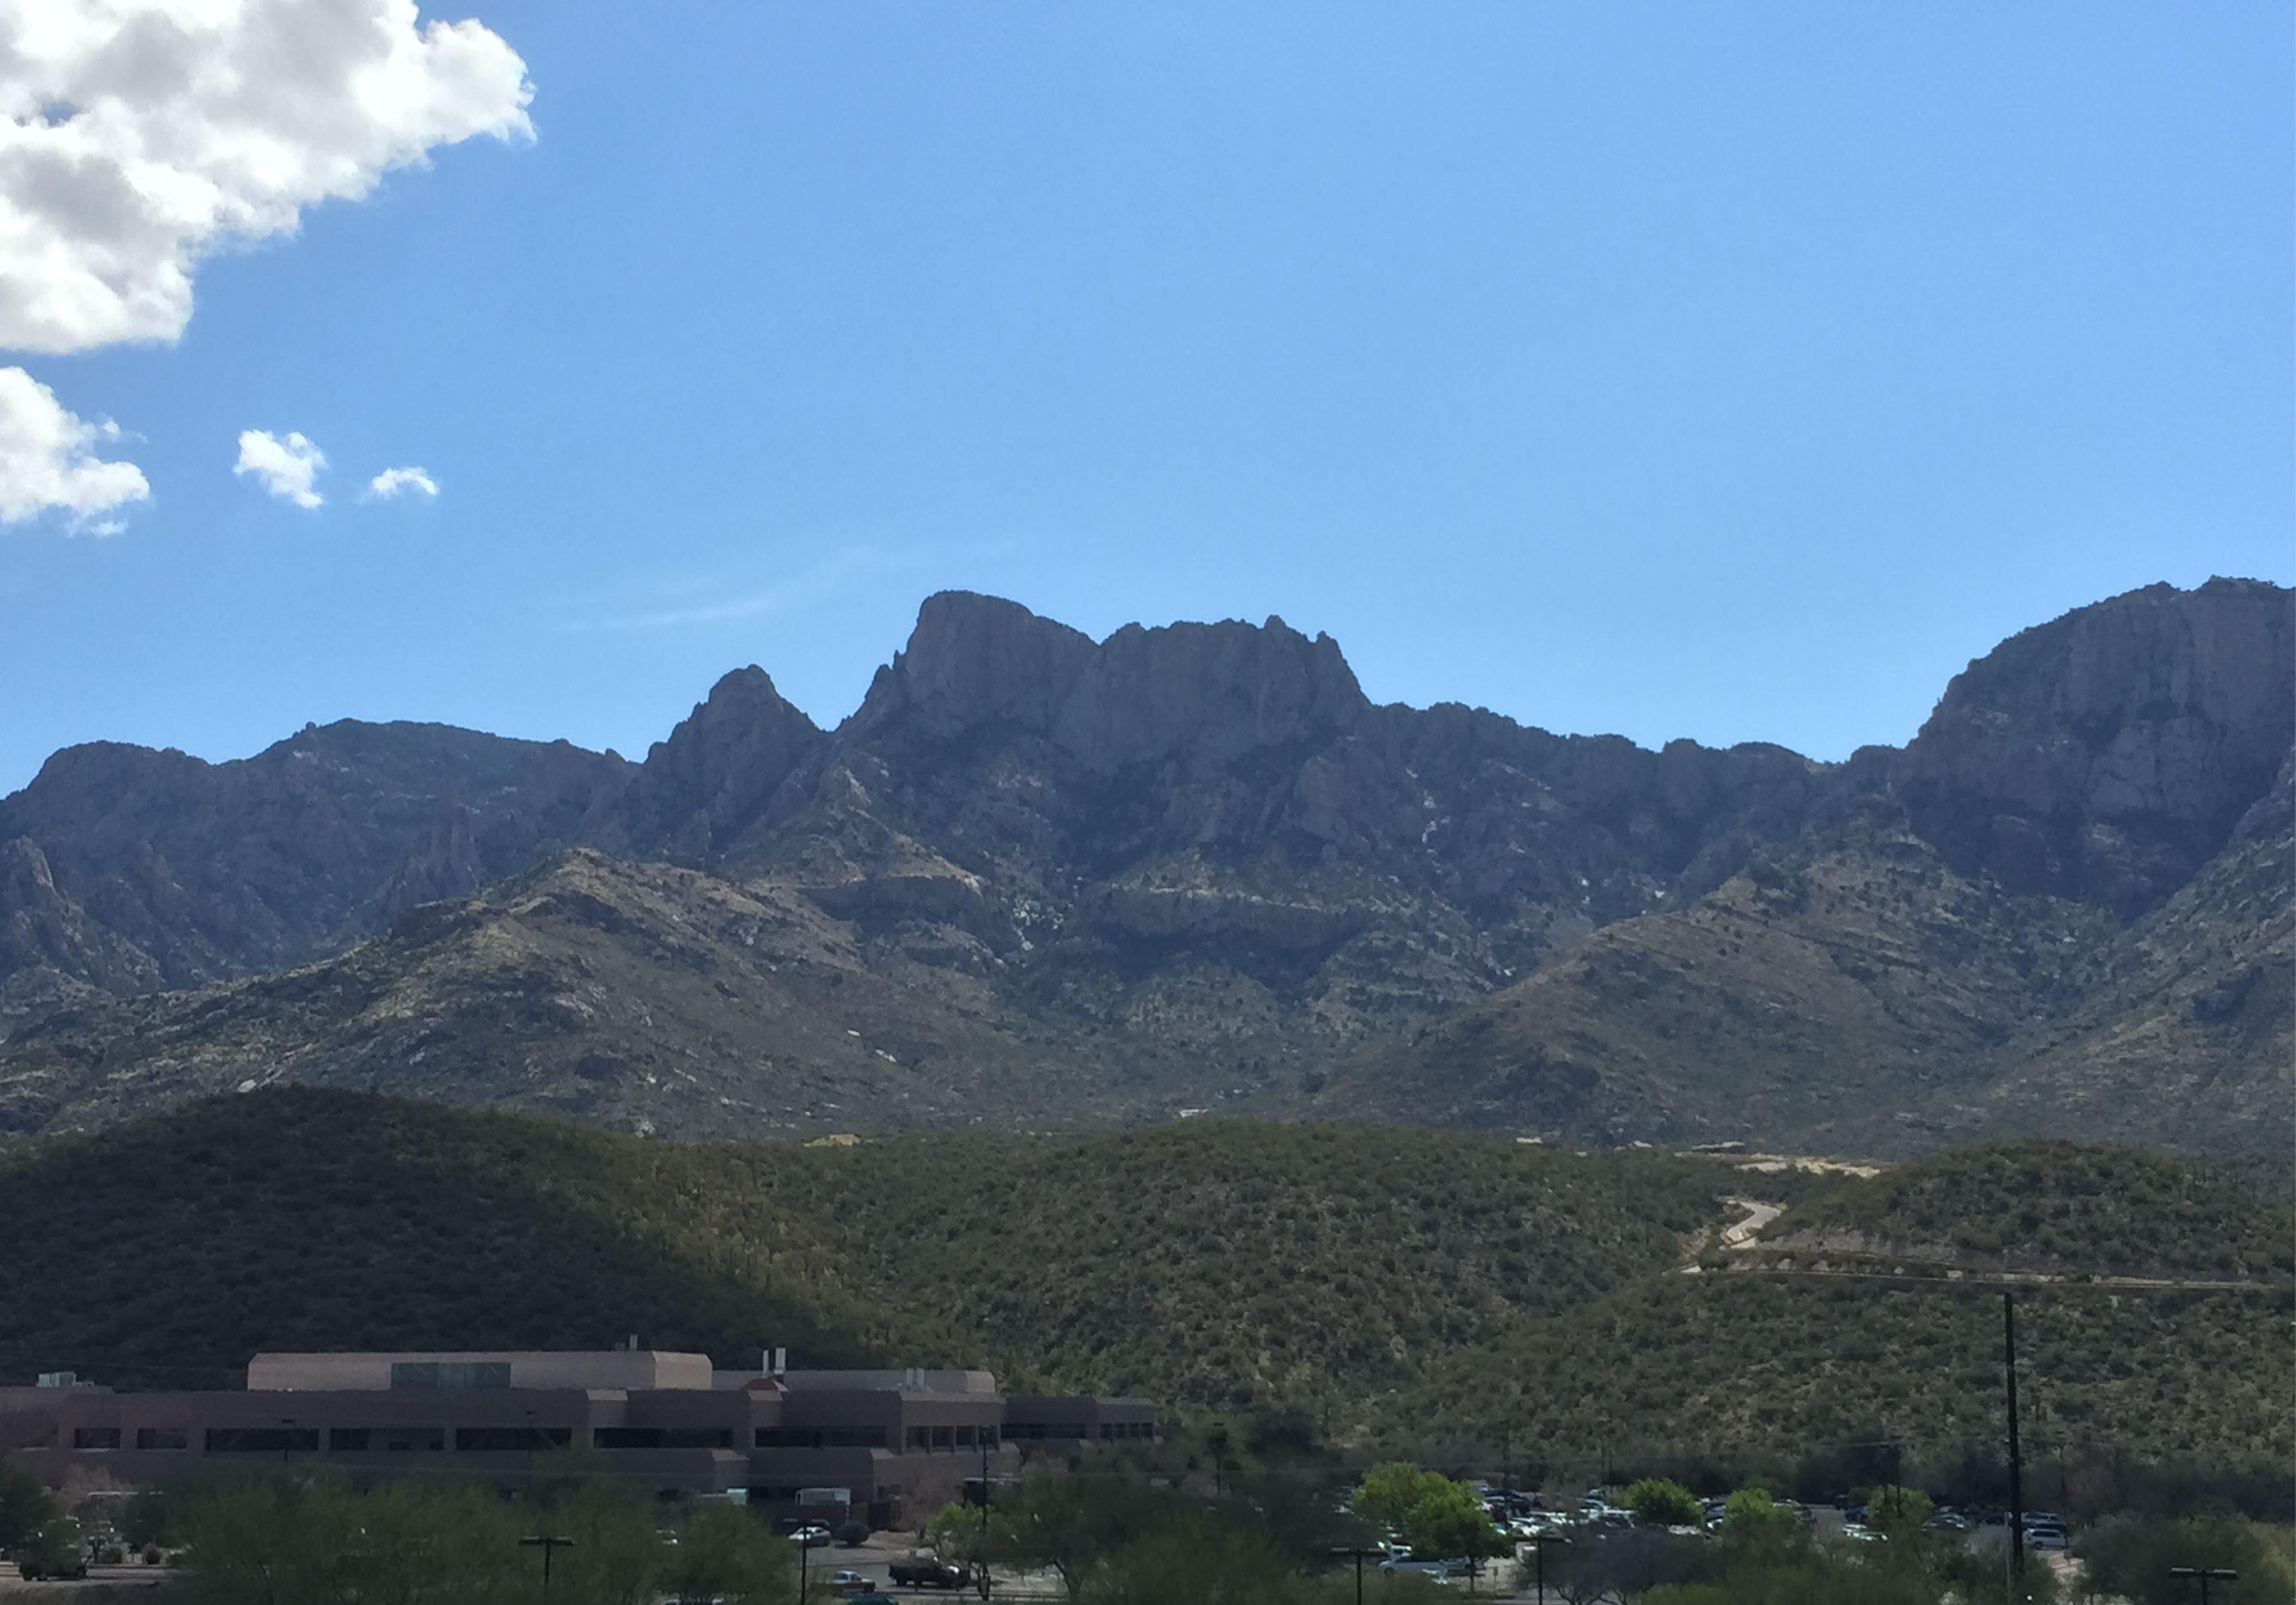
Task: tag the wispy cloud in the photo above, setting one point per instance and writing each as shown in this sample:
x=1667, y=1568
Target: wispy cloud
x=394, y=482
x=805, y=586
x=691, y=600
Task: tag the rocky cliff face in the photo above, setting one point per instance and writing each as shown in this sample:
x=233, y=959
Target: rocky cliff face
x=1195, y=866
x=2109, y=754
x=174, y=872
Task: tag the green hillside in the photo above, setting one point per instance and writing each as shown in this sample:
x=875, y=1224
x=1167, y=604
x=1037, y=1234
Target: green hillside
x=1696, y=1366
x=1208, y=1263
x=1386, y=1284
x=2052, y=1206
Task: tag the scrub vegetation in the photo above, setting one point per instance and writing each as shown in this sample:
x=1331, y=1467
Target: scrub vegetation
x=1367, y=1292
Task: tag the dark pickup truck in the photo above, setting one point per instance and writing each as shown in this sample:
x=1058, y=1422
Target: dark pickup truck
x=926, y=1572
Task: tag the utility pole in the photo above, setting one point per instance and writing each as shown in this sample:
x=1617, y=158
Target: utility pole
x=1538, y=1543
x=981, y=1549
x=2016, y=1459
x=2203, y=1572
x=1359, y=1552
x=548, y=1544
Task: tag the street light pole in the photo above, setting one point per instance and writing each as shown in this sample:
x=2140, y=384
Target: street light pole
x=548, y=1544
x=1538, y=1543
x=2016, y=1459
x=1358, y=1553
x=286, y=1438
x=2203, y=1572
x=980, y=1548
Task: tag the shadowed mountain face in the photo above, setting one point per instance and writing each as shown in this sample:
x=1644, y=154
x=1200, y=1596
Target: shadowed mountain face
x=129, y=869
x=1193, y=866
x=2108, y=754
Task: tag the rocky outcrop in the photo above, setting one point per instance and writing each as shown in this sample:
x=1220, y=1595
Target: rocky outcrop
x=194, y=872
x=2109, y=754
x=1199, y=696
x=42, y=929
x=717, y=776
x=1194, y=862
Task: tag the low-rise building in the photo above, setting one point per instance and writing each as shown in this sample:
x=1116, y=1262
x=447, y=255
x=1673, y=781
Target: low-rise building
x=880, y=1447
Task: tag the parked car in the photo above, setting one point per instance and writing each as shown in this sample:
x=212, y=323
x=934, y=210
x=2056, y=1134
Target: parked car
x=58, y=1550
x=926, y=1571
x=2044, y=1537
x=848, y=1578
x=810, y=1536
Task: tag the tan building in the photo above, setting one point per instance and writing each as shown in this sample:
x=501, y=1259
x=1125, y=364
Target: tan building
x=882, y=1446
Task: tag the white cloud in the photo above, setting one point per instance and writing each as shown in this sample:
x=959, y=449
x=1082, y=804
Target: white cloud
x=137, y=135
x=48, y=460
x=392, y=481
x=134, y=134
x=286, y=467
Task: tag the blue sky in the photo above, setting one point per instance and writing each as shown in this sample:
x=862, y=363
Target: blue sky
x=1734, y=372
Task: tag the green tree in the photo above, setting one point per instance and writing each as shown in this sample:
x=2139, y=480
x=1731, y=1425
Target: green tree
x=1896, y=1511
x=726, y=1554
x=1658, y=1501
x=1065, y=1525
x=1752, y=1520
x=26, y=1505
x=1448, y=1520
x=2134, y=1558
x=1386, y=1493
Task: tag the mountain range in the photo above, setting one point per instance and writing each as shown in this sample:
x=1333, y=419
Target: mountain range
x=1038, y=879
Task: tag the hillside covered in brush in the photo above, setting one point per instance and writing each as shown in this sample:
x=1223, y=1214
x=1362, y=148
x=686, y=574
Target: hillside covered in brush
x=2048, y=1206
x=1379, y=1284
x=1041, y=878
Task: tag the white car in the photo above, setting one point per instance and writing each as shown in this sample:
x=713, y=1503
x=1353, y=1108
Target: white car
x=809, y=1537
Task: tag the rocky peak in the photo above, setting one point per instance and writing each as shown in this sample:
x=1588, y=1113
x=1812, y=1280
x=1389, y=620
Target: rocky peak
x=719, y=772
x=1202, y=693
x=2109, y=753
x=975, y=660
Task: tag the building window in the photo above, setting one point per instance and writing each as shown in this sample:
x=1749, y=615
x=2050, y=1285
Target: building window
x=95, y=1438
x=348, y=1440
x=941, y=1438
x=162, y=1437
x=697, y=1438
x=822, y=1437
x=262, y=1440
x=663, y=1438
x=450, y=1373
x=920, y=1438
x=964, y=1437
x=496, y=1440
x=412, y=1440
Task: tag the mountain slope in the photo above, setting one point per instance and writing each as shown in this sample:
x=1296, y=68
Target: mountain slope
x=1195, y=866
x=638, y=996
x=1384, y=1284
x=186, y=871
x=1805, y=1002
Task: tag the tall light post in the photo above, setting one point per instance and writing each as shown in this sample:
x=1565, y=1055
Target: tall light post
x=980, y=1545
x=2016, y=1459
x=1538, y=1543
x=549, y=1544
x=2203, y=1572
x=286, y=1438
x=1358, y=1553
